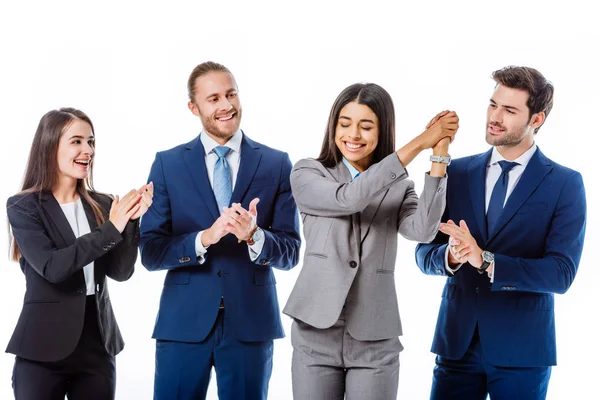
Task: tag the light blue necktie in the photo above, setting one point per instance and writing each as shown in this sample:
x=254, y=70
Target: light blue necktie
x=498, y=198
x=222, y=178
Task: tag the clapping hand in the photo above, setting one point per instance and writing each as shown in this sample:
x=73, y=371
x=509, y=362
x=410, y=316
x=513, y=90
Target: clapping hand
x=147, y=193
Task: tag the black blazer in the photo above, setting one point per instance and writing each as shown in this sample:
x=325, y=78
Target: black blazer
x=51, y=320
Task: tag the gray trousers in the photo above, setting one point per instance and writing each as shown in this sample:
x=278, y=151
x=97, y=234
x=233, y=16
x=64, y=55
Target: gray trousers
x=328, y=363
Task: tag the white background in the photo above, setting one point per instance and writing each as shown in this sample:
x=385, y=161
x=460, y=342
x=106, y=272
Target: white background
x=127, y=65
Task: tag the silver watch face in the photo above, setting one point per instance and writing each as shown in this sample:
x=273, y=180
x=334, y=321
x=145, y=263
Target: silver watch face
x=488, y=257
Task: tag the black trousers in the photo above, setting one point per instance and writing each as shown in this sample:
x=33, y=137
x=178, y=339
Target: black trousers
x=86, y=374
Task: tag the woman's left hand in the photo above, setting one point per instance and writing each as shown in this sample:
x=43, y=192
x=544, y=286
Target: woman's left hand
x=147, y=192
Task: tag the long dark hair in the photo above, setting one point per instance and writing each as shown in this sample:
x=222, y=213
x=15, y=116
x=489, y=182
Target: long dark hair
x=380, y=102
x=41, y=173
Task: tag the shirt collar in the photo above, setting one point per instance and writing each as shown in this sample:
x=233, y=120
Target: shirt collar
x=234, y=143
x=353, y=171
x=522, y=160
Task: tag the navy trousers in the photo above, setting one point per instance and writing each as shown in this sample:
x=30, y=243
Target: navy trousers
x=473, y=378
x=243, y=369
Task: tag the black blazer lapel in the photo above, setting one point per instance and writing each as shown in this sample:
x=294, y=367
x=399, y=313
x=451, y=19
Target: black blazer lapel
x=250, y=159
x=195, y=161
x=537, y=168
x=57, y=217
x=477, y=172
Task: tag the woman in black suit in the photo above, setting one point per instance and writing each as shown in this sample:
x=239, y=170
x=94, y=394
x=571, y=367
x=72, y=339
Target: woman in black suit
x=68, y=238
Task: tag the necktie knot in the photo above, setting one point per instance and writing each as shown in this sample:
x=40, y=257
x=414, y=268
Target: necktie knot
x=222, y=151
x=507, y=165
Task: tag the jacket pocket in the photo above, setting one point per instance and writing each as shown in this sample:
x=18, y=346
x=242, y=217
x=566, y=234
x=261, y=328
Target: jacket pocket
x=177, y=278
x=385, y=271
x=317, y=255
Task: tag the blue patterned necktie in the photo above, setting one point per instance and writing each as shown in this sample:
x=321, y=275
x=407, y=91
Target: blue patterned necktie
x=499, y=195
x=222, y=178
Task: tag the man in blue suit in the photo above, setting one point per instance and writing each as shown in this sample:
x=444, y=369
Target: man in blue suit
x=223, y=216
x=521, y=224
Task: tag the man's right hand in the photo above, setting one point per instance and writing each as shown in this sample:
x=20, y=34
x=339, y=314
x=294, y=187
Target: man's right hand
x=213, y=234
x=444, y=126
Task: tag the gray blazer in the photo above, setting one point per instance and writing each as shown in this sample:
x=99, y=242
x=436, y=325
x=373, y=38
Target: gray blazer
x=350, y=231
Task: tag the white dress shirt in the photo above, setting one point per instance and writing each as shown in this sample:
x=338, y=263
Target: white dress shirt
x=233, y=159
x=492, y=174
x=75, y=214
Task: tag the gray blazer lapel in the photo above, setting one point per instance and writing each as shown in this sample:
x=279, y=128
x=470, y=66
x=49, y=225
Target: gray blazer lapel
x=342, y=175
x=368, y=214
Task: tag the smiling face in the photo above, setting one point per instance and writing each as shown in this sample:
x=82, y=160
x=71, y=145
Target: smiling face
x=217, y=104
x=75, y=152
x=509, y=124
x=357, y=134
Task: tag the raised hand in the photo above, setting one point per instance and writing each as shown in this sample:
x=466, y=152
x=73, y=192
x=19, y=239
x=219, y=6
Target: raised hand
x=436, y=118
x=121, y=210
x=147, y=192
x=444, y=126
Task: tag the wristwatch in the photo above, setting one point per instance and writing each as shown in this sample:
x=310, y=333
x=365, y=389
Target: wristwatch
x=441, y=159
x=488, y=259
x=257, y=235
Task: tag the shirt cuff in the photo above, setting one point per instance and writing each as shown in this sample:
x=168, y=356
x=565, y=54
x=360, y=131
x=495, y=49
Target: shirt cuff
x=200, y=250
x=491, y=275
x=448, y=268
x=255, y=249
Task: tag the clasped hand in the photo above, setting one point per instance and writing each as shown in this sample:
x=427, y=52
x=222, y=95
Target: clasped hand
x=463, y=246
x=440, y=131
x=236, y=220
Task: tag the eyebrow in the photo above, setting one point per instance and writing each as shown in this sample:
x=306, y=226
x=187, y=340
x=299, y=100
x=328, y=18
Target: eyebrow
x=505, y=106
x=80, y=137
x=216, y=94
x=362, y=120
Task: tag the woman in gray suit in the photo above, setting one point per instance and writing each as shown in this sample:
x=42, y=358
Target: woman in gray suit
x=354, y=199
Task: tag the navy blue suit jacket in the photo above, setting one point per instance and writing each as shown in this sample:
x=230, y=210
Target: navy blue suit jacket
x=537, y=246
x=183, y=205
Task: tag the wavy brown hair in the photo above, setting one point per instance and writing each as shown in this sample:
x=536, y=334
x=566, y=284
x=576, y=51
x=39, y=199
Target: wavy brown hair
x=41, y=173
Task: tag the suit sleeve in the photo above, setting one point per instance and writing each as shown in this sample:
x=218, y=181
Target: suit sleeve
x=159, y=248
x=318, y=194
x=555, y=271
x=54, y=264
x=123, y=256
x=282, y=239
x=430, y=257
x=420, y=216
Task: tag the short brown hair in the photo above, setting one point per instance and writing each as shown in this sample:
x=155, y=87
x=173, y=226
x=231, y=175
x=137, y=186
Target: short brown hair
x=541, y=90
x=203, y=69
